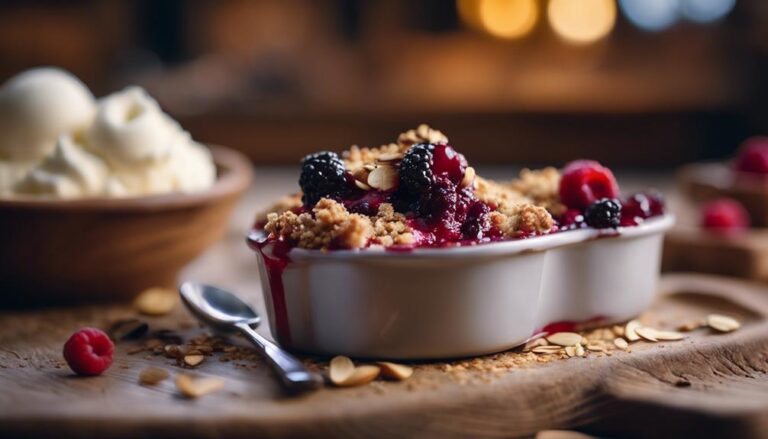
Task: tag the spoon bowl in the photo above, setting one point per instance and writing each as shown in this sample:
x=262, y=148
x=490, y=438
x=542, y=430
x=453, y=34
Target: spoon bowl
x=217, y=307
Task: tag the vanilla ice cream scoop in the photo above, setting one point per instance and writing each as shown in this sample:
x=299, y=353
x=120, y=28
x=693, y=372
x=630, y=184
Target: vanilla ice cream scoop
x=131, y=129
x=69, y=172
x=36, y=107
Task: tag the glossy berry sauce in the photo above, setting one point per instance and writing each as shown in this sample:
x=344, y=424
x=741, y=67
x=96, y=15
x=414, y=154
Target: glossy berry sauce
x=275, y=255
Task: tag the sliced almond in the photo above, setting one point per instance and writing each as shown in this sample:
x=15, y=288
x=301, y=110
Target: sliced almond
x=570, y=351
x=580, y=350
x=469, y=177
x=618, y=331
x=340, y=369
x=151, y=376
x=534, y=343
x=192, y=387
x=193, y=359
x=648, y=334
x=595, y=348
x=565, y=338
x=630, y=330
x=362, y=185
x=669, y=335
x=369, y=167
x=690, y=326
x=361, y=375
x=722, y=323
x=156, y=301
x=390, y=157
x=546, y=349
x=395, y=371
x=383, y=178
x=621, y=343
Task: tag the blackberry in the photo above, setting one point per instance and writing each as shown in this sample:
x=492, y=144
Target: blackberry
x=416, y=169
x=604, y=213
x=323, y=174
x=476, y=224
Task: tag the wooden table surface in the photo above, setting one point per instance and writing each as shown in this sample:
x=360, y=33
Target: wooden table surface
x=708, y=384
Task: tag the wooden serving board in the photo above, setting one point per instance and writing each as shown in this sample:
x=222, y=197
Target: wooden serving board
x=708, y=384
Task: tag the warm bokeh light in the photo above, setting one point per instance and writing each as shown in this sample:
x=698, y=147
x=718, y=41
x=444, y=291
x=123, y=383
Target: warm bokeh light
x=651, y=15
x=500, y=18
x=582, y=21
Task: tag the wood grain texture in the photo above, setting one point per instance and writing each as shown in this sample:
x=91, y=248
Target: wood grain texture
x=709, y=384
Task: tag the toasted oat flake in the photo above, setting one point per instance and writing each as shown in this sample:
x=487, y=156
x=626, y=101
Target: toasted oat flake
x=193, y=359
x=194, y=387
x=722, y=323
x=395, y=371
x=648, y=334
x=565, y=338
x=630, y=330
x=340, y=369
x=156, y=301
x=618, y=330
x=595, y=348
x=668, y=335
x=360, y=375
x=621, y=344
x=152, y=376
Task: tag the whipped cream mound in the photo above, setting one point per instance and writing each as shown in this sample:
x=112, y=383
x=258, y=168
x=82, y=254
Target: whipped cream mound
x=121, y=145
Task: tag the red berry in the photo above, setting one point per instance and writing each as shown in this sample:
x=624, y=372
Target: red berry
x=448, y=162
x=586, y=181
x=753, y=156
x=724, y=215
x=89, y=351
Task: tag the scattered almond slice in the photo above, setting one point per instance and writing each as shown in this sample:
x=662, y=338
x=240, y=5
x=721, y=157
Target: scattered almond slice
x=152, y=376
x=395, y=371
x=648, y=334
x=668, y=335
x=621, y=343
x=630, y=330
x=534, y=343
x=340, y=369
x=565, y=338
x=722, y=323
x=361, y=375
x=191, y=387
x=595, y=348
x=618, y=331
x=690, y=326
x=546, y=349
x=156, y=301
x=580, y=350
x=193, y=359
x=570, y=351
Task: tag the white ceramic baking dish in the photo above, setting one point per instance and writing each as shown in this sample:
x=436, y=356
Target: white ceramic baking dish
x=456, y=302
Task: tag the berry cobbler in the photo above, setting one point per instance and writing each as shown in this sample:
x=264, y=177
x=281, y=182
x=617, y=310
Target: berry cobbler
x=421, y=192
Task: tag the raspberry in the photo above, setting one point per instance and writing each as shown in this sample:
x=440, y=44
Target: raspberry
x=603, y=214
x=323, y=174
x=586, y=181
x=89, y=351
x=416, y=169
x=724, y=215
x=753, y=156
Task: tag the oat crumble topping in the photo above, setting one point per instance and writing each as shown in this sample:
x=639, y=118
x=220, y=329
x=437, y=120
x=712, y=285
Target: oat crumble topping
x=523, y=206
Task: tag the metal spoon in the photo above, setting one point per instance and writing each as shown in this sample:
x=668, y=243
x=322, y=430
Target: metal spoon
x=224, y=311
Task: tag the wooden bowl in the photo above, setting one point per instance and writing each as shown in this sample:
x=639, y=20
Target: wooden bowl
x=106, y=249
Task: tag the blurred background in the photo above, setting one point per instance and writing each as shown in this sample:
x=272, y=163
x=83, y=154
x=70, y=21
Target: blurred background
x=640, y=83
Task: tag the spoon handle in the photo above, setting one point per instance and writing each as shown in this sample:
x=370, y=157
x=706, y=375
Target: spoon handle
x=292, y=372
